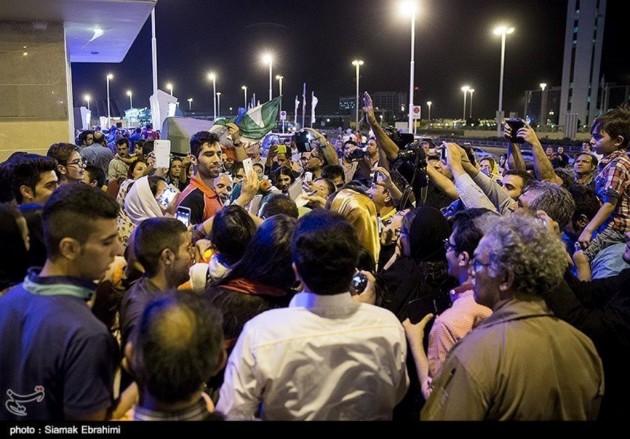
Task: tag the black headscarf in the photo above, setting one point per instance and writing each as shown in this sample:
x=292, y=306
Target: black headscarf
x=13, y=257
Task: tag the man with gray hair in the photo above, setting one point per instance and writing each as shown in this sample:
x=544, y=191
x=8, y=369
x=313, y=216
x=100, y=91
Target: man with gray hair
x=519, y=363
x=555, y=200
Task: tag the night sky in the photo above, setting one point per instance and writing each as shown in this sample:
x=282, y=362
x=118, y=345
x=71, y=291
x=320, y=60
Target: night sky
x=315, y=42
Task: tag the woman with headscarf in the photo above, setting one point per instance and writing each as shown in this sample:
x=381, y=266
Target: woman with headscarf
x=13, y=248
x=419, y=269
x=141, y=203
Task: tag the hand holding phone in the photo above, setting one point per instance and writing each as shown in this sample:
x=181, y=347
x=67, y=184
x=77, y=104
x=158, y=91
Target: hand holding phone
x=183, y=214
x=248, y=165
x=515, y=125
x=167, y=196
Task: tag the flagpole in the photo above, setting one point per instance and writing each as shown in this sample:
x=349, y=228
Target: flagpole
x=312, y=108
x=297, y=104
x=304, y=105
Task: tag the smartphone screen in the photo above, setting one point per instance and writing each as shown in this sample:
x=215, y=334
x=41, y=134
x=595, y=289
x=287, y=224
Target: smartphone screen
x=308, y=176
x=183, y=214
x=167, y=196
x=248, y=165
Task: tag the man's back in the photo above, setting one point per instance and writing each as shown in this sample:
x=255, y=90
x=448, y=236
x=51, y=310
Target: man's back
x=323, y=358
x=57, y=358
x=519, y=364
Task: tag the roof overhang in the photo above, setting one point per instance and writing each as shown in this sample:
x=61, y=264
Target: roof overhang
x=120, y=21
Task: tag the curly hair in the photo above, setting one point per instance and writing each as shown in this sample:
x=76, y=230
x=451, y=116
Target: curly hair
x=521, y=244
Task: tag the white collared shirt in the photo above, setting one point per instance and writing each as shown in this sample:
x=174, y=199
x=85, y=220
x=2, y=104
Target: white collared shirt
x=323, y=358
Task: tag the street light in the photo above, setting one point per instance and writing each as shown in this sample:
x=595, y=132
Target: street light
x=267, y=58
x=471, y=91
x=357, y=63
x=279, y=78
x=244, y=88
x=408, y=8
x=130, y=94
x=109, y=77
x=218, y=104
x=87, y=99
x=465, y=90
x=429, y=103
x=503, y=31
x=212, y=77
x=169, y=86
x=543, y=104
x=189, y=103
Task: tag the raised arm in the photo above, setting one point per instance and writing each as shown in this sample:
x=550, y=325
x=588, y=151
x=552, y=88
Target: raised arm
x=542, y=166
x=388, y=146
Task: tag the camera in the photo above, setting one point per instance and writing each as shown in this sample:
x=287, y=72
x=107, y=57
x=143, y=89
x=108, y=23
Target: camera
x=357, y=154
x=414, y=152
x=515, y=125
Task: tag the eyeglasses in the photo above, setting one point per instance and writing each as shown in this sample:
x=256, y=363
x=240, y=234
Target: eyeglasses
x=77, y=162
x=448, y=246
x=477, y=266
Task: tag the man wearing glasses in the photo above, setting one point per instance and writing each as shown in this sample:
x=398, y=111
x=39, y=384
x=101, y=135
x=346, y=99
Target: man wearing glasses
x=70, y=165
x=522, y=362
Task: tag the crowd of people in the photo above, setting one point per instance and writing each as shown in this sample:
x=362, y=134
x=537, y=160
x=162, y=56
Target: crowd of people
x=339, y=279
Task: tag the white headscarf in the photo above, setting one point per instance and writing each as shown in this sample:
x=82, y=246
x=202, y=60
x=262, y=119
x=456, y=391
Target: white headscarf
x=140, y=203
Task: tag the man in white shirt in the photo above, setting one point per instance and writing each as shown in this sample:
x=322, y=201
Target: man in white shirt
x=327, y=356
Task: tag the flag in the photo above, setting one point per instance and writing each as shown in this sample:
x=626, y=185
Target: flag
x=313, y=105
x=259, y=120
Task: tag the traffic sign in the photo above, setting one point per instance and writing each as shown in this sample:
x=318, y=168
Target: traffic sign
x=283, y=115
x=416, y=111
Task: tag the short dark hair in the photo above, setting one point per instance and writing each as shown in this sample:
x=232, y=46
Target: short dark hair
x=96, y=173
x=147, y=147
x=555, y=200
x=325, y=250
x=565, y=176
x=177, y=346
x=27, y=171
x=615, y=122
x=525, y=176
x=267, y=258
x=152, y=237
x=586, y=201
x=332, y=171
x=70, y=212
x=123, y=140
x=594, y=160
x=232, y=230
x=199, y=139
x=62, y=152
x=276, y=204
x=466, y=233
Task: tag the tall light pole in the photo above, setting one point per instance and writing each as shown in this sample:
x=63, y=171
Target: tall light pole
x=409, y=8
x=471, y=91
x=503, y=31
x=189, y=103
x=218, y=104
x=169, y=86
x=543, y=104
x=267, y=58
x=212, y=77
x=130, y=94
x=244, y=88
x=279, y=78
x=357, y=63
x=109, y=78
x=429, y=103
x=87, y=99
x=465, y=90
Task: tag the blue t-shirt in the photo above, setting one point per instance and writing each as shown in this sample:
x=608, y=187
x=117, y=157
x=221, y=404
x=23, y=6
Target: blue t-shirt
x=56, y=357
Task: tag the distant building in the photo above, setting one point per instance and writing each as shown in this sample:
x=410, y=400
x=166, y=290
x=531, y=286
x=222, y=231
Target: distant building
x=582, y=60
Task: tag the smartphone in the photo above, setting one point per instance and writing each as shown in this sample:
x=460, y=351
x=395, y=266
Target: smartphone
x=162, y=149
x=308, y=176
x=515, y=125
x=167, y=196
x=374, y=176
x=358, y=283
x=443, y=152
x=418, y=308
x=282, y=149
x=183, y=214
x=248, y=165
